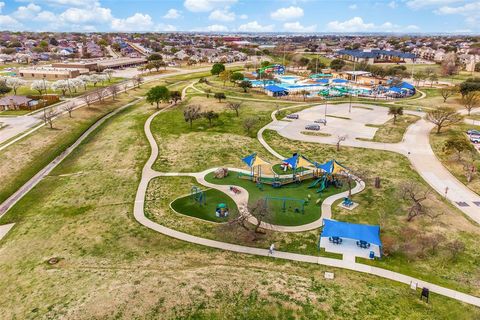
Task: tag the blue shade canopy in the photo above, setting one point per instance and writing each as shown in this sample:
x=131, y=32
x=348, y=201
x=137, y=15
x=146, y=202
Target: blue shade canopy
x=363, y=232
x=339, y=81
x=275, y=89
x=298, y=161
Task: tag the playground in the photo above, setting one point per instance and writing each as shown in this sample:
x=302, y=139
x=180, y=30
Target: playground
x=294, y=197
x=206, y=204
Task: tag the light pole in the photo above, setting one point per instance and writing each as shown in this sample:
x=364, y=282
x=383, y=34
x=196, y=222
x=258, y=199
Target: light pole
x=44, y=101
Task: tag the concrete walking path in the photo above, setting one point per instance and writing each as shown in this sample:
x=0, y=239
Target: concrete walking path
x=139, y=214
x=15, y=197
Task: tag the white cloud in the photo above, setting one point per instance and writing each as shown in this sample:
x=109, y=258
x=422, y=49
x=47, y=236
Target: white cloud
x=222, y=15
x=355, y=24
x=165, y=27
x=297, y=27
x=392, y=4
x=26, y=12
x=287, y=13
x=96, y=14
x=254, y=26
x=2, y=5
x=243, y=16
x=46, y=16
x=352, y=7
x=137, y=22
x=412, y=27
x=467, y=9
x=216, y=28
x=206, y=5
x=9, y=23
x=172, y=14
x=418, y=4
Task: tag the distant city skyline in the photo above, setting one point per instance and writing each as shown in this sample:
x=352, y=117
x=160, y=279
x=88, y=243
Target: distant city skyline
x=304, y=16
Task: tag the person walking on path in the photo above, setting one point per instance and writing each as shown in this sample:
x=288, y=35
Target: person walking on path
x=271, y=249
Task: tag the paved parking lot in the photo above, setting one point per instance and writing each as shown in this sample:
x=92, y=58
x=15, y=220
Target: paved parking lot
x=339, y=121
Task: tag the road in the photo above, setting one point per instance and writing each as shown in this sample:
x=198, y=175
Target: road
x=19, y=127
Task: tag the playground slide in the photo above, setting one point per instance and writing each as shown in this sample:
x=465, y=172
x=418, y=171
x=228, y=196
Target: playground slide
x=315, y=183
x=322, y=185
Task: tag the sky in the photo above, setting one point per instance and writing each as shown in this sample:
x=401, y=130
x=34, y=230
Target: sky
x=305, y=16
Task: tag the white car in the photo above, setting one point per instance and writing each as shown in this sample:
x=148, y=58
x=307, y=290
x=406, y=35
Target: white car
x=322, y=121
x=475, y=138
x=292, y=116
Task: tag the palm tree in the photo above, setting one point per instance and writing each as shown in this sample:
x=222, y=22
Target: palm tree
x=395, y=111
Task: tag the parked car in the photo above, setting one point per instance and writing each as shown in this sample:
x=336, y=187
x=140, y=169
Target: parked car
x=292, y=116
x=321, y=121
x=475, y=138
x=315, y=127
x=473, y=131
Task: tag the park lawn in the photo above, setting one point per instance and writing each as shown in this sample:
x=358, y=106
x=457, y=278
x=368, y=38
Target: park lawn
x=206, y=211
x=298, y=192
x=435, y=100
x=437, y=141
x=13, y=113
x=393, y=133
x=225, y=143
x=110, y=267
x=386, y=207
x=22, y=160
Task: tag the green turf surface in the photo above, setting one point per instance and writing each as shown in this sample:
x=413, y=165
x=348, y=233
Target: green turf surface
x=188, y=206
x=300, y=191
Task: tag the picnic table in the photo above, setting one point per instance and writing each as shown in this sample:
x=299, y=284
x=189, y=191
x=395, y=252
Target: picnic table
x=363, y=244
x=335, y=240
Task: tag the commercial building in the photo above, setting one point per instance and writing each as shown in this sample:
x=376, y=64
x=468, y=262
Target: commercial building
x=51, y=73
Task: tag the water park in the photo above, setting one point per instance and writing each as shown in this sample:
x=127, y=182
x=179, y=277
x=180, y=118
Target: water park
x=273, y=80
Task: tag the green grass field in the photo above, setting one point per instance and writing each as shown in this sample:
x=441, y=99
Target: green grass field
x=289, y=216
x=188, y=206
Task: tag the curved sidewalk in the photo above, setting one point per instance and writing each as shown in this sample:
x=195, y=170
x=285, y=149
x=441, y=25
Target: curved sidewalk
x=416, y=147
x=139, y=214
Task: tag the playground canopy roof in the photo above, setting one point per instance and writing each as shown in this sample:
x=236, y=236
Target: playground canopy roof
x=253, y=160
x=298, y=161
x=275, y=89
x=331, y=167
x=339, y=81
x=321, y=81
x=363, y=232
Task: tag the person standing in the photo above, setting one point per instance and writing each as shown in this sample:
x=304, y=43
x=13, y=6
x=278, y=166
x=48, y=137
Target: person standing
x=271, y=249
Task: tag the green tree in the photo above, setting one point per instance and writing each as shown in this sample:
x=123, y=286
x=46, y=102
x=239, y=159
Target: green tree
x=175, y=96
x=217, y=68
x=395, y=111
x=337, y=64
x=210, y=116
x=154, y=57
x=265, y=64
x=315, y=64
x=456, y=145
x=220, y=96
x=236, y=76
x=4, y=89
x=158, y=94
x=245, y=85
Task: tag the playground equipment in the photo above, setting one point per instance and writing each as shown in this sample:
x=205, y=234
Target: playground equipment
x=322, y=182
x=273, y=68
x=284, y=201
x=222, y=210
x=255, y=163
x=347, y=202
x=198, y=195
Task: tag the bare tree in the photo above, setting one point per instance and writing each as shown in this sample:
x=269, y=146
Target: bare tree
x=235, y=106
x=88, y=98
x=137, y=81
x=469, y=167
x=125, y=86
x=48, y=116
x=416, y=195
x=114, y=90
x=249, y=123
x=471, y=100
x=447, y=93
x=69, y=107
x=261, y=212
x=340, y=139
x=443, y=117
x=191, y=113
x=98, y=95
